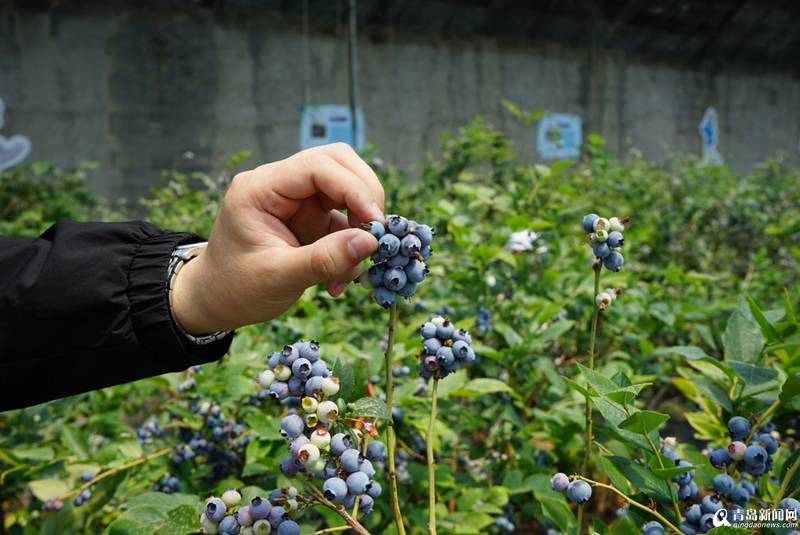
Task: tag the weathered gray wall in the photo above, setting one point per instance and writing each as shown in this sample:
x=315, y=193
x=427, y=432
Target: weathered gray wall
x=135, y=88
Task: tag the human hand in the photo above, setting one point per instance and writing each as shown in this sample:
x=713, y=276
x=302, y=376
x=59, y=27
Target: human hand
x=278, y=232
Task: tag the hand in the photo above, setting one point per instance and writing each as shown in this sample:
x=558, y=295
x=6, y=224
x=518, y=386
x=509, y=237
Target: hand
x=278, y=232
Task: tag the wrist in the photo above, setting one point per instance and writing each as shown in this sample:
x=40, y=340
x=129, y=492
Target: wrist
x=189, y=300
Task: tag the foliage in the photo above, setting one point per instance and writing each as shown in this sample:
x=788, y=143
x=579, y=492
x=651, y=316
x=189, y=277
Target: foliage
x=682, y=340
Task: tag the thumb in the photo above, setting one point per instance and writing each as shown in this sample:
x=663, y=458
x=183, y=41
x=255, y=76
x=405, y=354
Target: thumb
x=331, y=256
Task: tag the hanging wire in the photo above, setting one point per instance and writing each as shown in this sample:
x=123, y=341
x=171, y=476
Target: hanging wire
x=306, y=55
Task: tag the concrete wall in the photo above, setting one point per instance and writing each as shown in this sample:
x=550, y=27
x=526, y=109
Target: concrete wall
x=133, y=88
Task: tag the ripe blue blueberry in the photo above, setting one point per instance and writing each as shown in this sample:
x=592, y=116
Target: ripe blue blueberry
x=445, y=356
x=769, y=442
x=340, y=443
x=601, y=250
x=86, y=494
x=416, y=271
x=215, y=510
x=292, y=426
x=351, y=461
x=687, y=529
x=397, y=225
x=357, y=483
x=706, y=522
x=384, y=296
x=277, y=516
x=229, y=526
x=376, y=451
x=375, y=490
x=693, y=513
x=588, y=222
x=398, y=261
x=424, y=233
x=428, y=330
x=375, y=228
x=431, y=345
x=366, y=504
x=724, y=484
x=460, y=335
x=445, y=329
x=301, y=367
x=309, y=350
x=289, y=527
x=755, y=455
x=652, y=528
x=579, y=491
x=259, y=507
x=738, y=428
x=408, y=290
x=615, y=239
x=289, y=354
x=740, y=495
x=789, y=504
x=367, y=468
x=410, y=246
x=389, y=245
x=426, y=253
x=395, y=279
x=613, y=261
x=559, y=482
x=720, y=458
x=335, y=489
x=711, y=504
x=376, y=273
x=87, y=476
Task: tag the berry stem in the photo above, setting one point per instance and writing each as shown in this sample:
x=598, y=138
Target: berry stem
x=114, y=471
x=331, y=530
x=390, y=435
x=786, y=481
x=341, y=511
x=432, y=461
x=632, y=502
x=592, y=337
x=669, y=483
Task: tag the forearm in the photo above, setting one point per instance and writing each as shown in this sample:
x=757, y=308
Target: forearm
x=85, y=306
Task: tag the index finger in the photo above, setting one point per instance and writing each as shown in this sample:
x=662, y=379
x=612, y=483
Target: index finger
x=348, y=158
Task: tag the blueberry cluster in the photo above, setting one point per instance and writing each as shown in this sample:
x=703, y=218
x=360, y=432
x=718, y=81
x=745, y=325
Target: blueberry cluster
x=403, y=248
x=86, y=494
x=652, y=528
x=345, y=467
x=578, y=490
x=483, y=321
x=261, y=517
x=606, y=297
x=504, y=523
x=150, y=429
x=687, y=488
x=297, y=371
x=167, y=484
x=606, y=238
x=755, y=459
x=444, y=349
x=699, y=518
x=217, y=441
x=52, y=504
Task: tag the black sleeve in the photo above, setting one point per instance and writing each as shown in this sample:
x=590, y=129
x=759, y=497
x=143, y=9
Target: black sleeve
x=84, y=306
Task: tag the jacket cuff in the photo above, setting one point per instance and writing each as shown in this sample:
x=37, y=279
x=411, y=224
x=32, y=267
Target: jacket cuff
x=150, y=316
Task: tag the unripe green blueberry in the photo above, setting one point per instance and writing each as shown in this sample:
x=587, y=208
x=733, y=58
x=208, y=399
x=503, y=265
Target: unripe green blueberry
x=265, y=379
x=364, y=280
x=330, y=385
x=321, y=438
x=231, y=497
x=600, y=236
x=437, y=320
x=614, y=224
x=317, y=466
x=262, y=527
x=327, y=412
x=309, y=405
x=601, y=223
x=602, y=299
x=209, y=527
x=283, y=373
x=308, y=454
x=613, y=295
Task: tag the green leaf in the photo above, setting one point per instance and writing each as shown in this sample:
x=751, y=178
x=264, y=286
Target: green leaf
x=728, y=530
x=690, y=352
x=45, y=488
x=481, y=386
x=642, y=478
x=559, y=513
x=182, y=520
x=616, y=477
x=373, y=408
x=751, y=374
x=790, y=390
x=790, y=319
x=147, y=514
x=127, y=526
x=347, y=381
x=668, y=473
x=74, y=440
x=555, y=330
x=578, y=388
x=130, y=449
x=742, y=339
x=37, y=454
x=714, y=370
x=621, y=379
x=238, y=386
x=267, y=428
x=795, y=481
x=713, y=393
x=602, y=384
x=644, y=422
x=766, y=327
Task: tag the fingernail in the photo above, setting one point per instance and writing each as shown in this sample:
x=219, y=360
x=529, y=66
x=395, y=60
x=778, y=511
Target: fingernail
x=378, y=213
x=339, y=288
x=361, y=246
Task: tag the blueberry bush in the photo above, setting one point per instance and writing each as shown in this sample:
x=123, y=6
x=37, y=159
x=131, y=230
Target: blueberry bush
x=528, y=366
